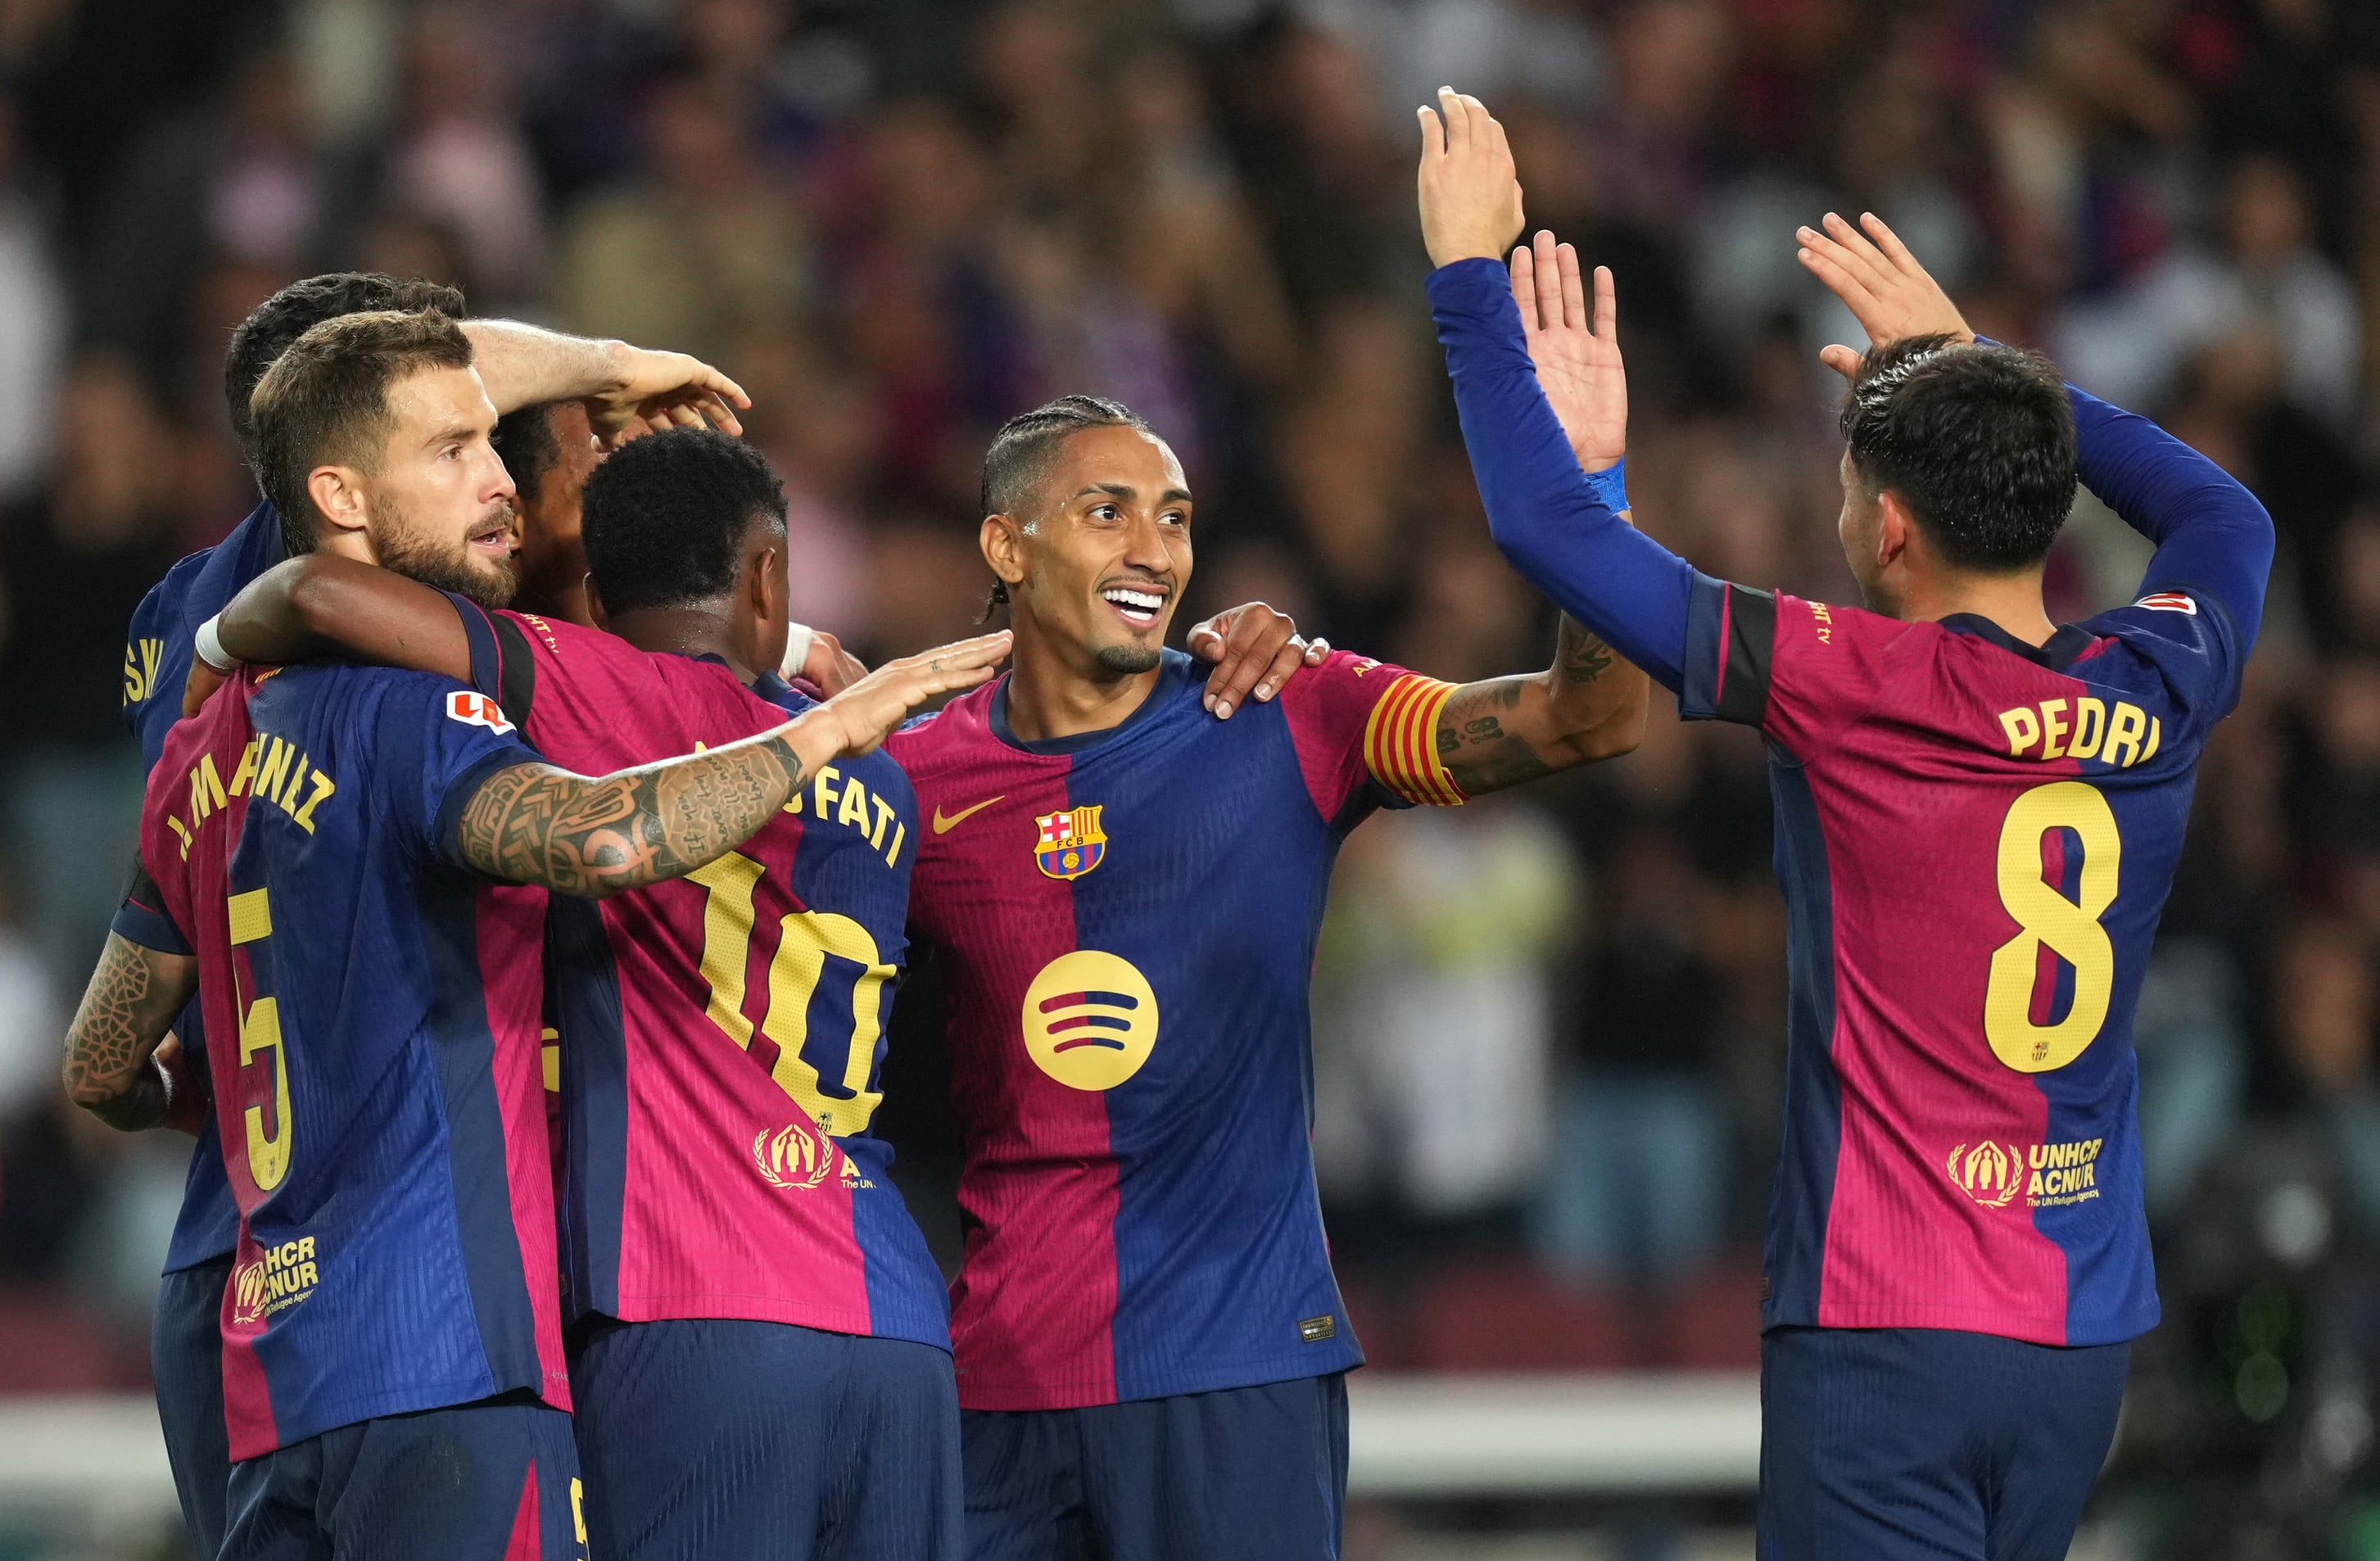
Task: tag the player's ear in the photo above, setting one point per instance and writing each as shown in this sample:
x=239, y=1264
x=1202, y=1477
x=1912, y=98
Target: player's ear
x=1895, y=529
x=338, y=494
x=595, y=613
x=768, y=585
x=1003, y=548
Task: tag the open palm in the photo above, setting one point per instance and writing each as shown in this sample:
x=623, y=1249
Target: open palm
x=1577, y=364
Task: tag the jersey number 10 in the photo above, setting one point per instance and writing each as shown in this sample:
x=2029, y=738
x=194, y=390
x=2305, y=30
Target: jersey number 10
x=806, y=940
x=2069, y=928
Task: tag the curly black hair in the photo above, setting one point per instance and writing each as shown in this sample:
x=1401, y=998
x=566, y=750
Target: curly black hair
x=664, y=517
x=280, y=319
x=1978, y=441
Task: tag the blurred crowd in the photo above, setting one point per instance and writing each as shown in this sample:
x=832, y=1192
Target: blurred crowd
x=1549, y=1028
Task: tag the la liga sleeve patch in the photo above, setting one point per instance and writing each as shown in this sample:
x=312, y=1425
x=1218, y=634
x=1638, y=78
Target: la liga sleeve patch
x=474, y=709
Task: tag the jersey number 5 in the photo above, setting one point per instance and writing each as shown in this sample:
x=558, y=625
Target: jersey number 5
x=259, y=1030
x=2069, y=928
x=804, y=942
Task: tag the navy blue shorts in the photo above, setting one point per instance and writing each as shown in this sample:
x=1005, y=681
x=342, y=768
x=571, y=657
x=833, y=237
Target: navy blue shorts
x=720, y=1440
x=494, y=1481
x=1900, y=1444
x=1245, y=1474
x=186, y=1357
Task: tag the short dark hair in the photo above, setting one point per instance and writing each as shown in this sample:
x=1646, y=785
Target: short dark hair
x=1977, y=439
x=280, y=319
x=327, y=400
x=525, y=442
x=1020, y=452
x=664, y=516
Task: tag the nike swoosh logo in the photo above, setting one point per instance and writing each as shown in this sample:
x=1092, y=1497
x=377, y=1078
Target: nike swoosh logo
x=945, y=822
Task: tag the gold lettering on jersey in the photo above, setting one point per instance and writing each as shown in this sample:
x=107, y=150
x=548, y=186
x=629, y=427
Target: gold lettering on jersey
x=1826, y=622
x=2048, y=1175
x=269, y=770
x=2081, y=729
x=839, y=799
x=140, y=660
x=279, y=1277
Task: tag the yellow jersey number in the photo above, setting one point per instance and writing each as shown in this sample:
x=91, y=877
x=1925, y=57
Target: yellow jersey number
x=2070, y=928
x=259, y=1031
x=809, y=944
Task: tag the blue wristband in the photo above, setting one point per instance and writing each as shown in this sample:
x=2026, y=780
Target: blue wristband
x=1609, y=486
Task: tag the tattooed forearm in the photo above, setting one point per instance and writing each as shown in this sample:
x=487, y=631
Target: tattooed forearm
x=1580, y=656
x=1507, y=730
x=126, y=1011
x=593, y=838
x=1474, y=745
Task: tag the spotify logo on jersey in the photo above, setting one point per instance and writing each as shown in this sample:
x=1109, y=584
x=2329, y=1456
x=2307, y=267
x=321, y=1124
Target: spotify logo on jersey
x=1089, y=1020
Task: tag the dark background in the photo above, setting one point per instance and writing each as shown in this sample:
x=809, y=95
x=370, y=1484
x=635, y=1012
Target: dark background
x=1548, y=1028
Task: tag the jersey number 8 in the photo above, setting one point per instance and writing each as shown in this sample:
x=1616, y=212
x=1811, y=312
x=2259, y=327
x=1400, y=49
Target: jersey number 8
x=2069, y=928
x=805, y=941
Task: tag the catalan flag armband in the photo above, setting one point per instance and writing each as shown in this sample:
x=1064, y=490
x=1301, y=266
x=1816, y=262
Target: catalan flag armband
x=1401, y=742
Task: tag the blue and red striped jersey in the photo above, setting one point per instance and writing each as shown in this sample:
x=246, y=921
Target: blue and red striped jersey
x=156, y=664
x=1975, y=837
x=375, y=1009
x=721, y=1037
x=1127, y=922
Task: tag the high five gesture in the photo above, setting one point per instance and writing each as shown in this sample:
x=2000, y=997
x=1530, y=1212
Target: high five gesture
x=1880, y=281
x=1470, y=196
x=1471, y=210
x=1578, y=361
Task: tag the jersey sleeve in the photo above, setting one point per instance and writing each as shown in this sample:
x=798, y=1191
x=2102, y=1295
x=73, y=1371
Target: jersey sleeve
x=432, y=744
x=2193, y=641
x=1366, y=734
x=503, y=666
x=145, y=918
x=1799, y=670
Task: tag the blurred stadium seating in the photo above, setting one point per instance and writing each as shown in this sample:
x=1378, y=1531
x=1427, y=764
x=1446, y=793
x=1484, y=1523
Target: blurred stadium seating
x=899, y=221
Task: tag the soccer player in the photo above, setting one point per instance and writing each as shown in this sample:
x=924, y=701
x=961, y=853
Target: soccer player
x=619, y=389
x=1150, y=1345
x=321, y=838
x=733, y=1242
x=1978, y=815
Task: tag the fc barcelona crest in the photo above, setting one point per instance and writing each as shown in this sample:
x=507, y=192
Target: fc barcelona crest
x=1071, y=843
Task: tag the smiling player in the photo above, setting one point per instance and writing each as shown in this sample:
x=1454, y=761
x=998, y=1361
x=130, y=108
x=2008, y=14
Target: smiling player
x=1150, y=1344
x=734, y=1242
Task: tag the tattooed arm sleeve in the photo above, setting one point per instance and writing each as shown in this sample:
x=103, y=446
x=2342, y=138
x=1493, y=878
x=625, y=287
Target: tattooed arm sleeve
x=534, y=824
x=1589, y=705
x=111, y=1067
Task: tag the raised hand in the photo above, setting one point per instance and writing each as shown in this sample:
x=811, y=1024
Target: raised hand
x=653, y=391
x=1255, y=647
x=866, y=712
x=1470, y=194
x=1578, y=362
x=1880, y=281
